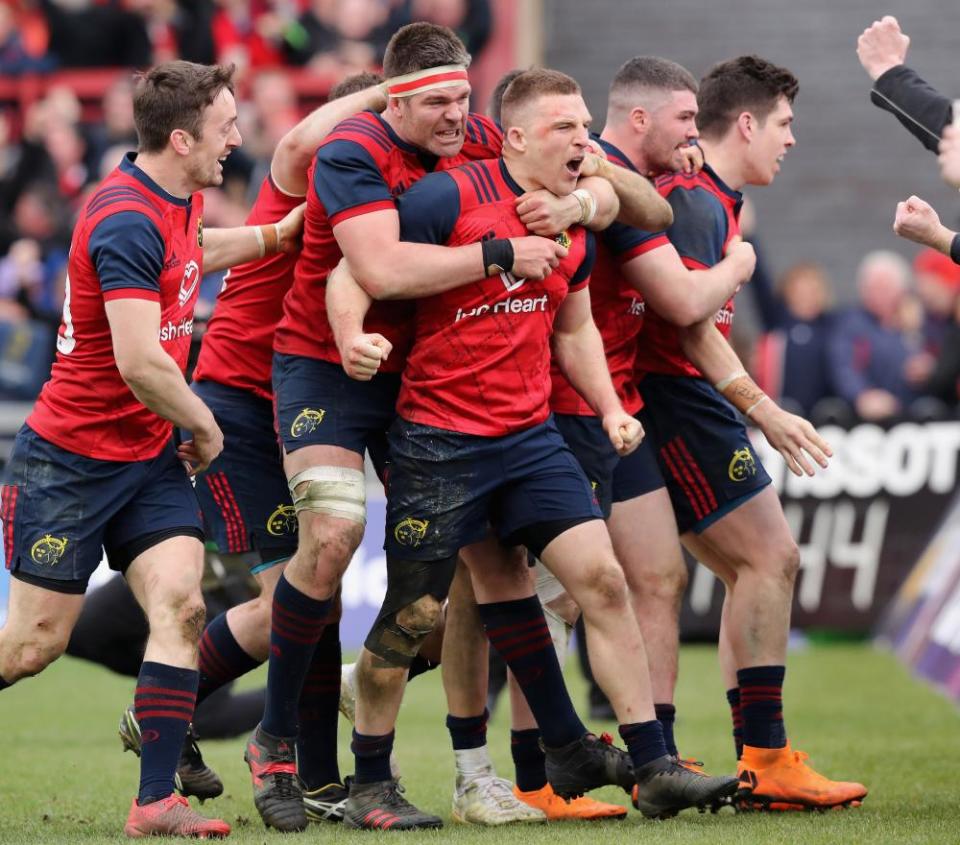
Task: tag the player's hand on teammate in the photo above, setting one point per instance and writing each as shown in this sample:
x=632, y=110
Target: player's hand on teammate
x=624, y=431
x=197, y=454
x=290, y=231
x=544, y=213
x=363, y=354
x=949, y=157
x=916, y=220
x=793, y=437
x=744, y=256
x=535, y=257
x=882, y=46
x=692, y=159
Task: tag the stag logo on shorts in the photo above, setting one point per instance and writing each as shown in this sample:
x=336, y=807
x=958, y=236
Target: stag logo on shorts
x=564, y=239
x=410, y=531
x=48, y=550
x=283, y=521
x=307, y=421
x=742, y=465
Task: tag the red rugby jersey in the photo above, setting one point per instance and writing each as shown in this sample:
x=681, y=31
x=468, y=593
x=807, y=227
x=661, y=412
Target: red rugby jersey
x=237, y=348
x=133, y=240
x=362, y=166
x=618, y=309
x=480, y=362
x=706, y=214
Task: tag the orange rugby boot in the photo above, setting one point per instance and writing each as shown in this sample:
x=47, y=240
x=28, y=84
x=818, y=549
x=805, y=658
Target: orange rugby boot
x=582, y=809
x=172, y=816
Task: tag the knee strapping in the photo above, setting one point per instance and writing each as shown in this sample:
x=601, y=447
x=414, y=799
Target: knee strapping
x=337, y=491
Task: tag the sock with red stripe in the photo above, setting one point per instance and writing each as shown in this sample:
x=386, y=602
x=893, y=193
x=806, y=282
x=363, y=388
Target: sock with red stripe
x=319, y=712
x=468, y=731
x=644, y=741
x=163, y=704
x=296, y=624
x=733, y=698
x=761, y=703
x=221, y=658
x=372, y=756
x=518, y=631
x=529, y=761
x=666, y=715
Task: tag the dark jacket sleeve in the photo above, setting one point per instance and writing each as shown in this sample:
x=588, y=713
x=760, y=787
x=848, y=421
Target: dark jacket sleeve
x=922, y=109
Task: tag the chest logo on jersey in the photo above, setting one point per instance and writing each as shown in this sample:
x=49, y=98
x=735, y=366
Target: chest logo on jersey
x=307, y=421
x=564, y=239
x=742, y=465
x=189, y=282
x=511, y=282
x=410, y=531
x=282, y=521
x=200, y=231
x=48, y=550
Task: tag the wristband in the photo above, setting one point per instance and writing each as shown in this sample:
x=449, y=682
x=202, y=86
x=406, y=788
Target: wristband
x=730, y=379
x=588, y=205
x=260, y=243
x=753, y=407
x=955, y=249
x=497, y=256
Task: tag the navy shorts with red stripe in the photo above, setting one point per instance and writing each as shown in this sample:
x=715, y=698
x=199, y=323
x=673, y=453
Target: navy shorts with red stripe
x=702, y=447
x=638, y=473
x=594, y=452
x=61, y=511
x=243, y=494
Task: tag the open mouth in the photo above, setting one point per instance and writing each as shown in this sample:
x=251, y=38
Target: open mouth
x=573, y=166
x=449, y=135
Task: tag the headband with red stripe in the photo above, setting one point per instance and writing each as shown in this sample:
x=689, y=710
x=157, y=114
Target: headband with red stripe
x=419, y=81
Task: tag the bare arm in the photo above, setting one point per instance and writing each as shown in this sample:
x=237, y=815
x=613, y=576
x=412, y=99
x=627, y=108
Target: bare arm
x=228, y=247
x=578, y=349
x=544, y=213
x=685, y=296
x=155, y=379
x=790, y=435
x=640, y=204
x=347, y=306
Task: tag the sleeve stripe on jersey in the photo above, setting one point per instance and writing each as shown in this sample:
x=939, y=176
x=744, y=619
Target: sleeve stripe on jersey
x=649, y=245
x=473, y=120
x=126, y=196
x=131, y=293
x=357, y=210
x=477, y=185
x=487, y=177
x=368, y=130
x=113, y=191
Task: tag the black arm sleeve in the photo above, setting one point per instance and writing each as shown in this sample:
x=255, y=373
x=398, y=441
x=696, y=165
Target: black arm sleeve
x=922, y=109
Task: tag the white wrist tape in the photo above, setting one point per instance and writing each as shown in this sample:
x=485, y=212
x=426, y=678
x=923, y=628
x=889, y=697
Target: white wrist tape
x=588, y=205
x=730, y=379
x=260, y=243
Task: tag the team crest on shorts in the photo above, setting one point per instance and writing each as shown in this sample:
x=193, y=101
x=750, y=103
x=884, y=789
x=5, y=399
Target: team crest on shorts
x=48, y=550
x=410, y=531
x=307, y=420
x=200, y=231
x=742, y=465
x=564, y=239
x=282, y=521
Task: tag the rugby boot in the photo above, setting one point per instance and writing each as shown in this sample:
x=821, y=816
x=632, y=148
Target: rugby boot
x=579, y=809
x=697, y=766
x=381, y=806
x=326, y=803
x=485, y=799
x=277, y=791
x=193, y=776
x=780, y=779
x=172, y=816
x=588, y=762
x=664, y=787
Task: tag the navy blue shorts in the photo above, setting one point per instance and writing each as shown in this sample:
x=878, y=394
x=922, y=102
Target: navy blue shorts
x=244, y=495
x=62, y=510
x=702, y=447
x=638, y=473
x=592, y=448
x=318, y=404
x=446, y=489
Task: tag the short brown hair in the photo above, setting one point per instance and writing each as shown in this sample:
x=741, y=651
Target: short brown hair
x=422, y=45
x=496, y=98
x=173, y=95
x=534, y=83
x=745, y=84
x=354, y=83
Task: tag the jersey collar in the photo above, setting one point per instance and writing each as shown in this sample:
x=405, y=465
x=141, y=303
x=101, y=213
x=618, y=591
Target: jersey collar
x=621, y=157
x=736, y=196
x=511, y=182
x=128, y=166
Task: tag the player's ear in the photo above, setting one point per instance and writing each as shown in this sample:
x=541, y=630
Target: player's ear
x=746, y=125
x=181, y=141
x=640, y=120
x=394, y=106
x=517, y=139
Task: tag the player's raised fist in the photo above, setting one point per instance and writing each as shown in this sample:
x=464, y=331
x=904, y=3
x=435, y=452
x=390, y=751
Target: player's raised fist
x=535, y=257
x=916, y=220
x=743, y=253
x=363, y=354
x=624, y=431
x=882, y=46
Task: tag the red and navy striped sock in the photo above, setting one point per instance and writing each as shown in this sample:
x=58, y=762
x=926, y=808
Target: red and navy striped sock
x=733, y=697
x=163, y=704
x=372, y=757
x=296, y=624
x=761, y=703
x=529, y=761
x=518, y=631
x=319, y=705
x=468, y=731
x=221, y=658
x=666, y=715
x=644, y=741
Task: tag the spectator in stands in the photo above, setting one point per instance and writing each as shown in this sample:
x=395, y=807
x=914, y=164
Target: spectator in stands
x=15, y=56
x=97, y=34
x=115, y=128
x=868, y=351
x=472, y=20
x=247, y=34
x=336, y=38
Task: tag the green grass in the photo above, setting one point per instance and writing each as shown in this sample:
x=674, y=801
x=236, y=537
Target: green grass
x=856, y=711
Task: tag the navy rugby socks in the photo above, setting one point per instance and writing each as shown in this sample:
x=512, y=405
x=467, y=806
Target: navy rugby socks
x=319, y=705
x=372, y=756
x=468, y=731
x=221, y=658
x=529, y=761
x=733, y=698
x=666, y=714
x=644, y=741
x=761, y=703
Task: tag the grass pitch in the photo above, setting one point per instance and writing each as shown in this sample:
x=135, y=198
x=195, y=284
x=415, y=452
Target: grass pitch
x=856, y=711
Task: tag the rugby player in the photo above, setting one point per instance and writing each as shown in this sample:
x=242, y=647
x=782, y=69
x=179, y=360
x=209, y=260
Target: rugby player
x=95, y=465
